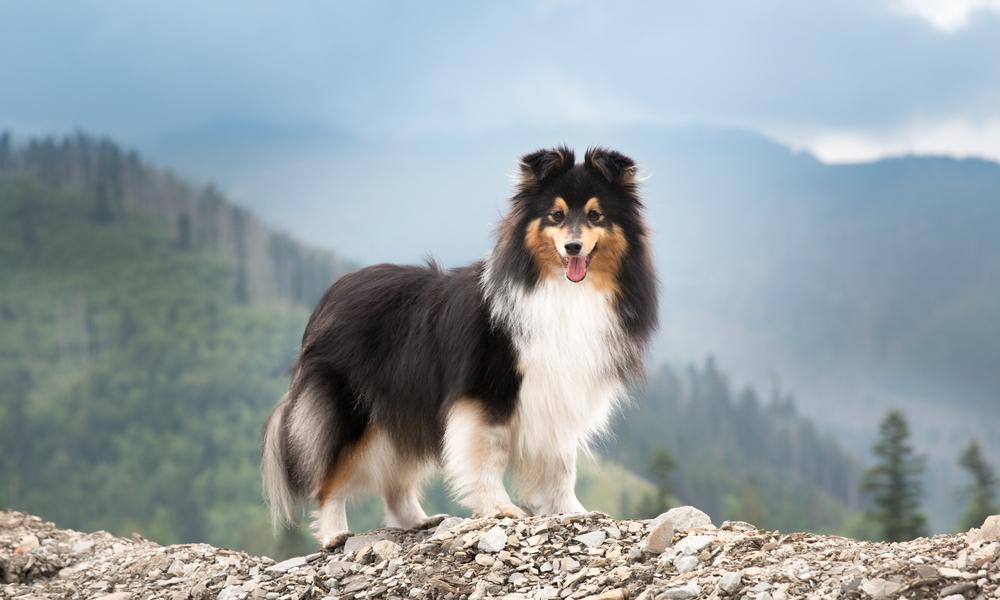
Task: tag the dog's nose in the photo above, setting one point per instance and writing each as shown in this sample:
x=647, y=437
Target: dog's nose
x=573, y=248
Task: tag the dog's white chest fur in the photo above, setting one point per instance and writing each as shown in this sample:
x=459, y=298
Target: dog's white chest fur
x=568, y=342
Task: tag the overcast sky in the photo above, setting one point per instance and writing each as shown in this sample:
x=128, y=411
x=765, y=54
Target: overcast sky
x=847, y=79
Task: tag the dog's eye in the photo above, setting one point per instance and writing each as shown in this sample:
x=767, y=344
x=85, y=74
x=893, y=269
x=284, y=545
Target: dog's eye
x=556, y=216
x=594, y=216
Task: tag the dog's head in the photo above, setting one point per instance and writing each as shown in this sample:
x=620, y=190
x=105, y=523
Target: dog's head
x=578, y=219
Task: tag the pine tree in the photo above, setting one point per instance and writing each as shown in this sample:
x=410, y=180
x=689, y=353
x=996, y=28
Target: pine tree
x=893, y=483
x=982, y=492
x=661, y=469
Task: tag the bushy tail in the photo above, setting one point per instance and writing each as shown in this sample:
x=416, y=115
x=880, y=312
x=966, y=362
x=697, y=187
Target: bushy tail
x=278, y=491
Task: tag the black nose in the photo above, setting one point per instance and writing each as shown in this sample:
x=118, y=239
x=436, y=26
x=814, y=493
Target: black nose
x=573, y=248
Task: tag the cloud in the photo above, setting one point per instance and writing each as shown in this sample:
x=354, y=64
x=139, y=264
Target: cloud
x=844, y=77
x=946, y=15
x=953, y=136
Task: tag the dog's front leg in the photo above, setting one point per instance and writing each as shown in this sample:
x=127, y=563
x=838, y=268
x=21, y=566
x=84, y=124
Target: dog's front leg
x=545, y=481
x=476, y=455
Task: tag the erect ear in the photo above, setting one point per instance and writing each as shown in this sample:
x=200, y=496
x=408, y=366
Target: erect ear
x=613, y=166
x=544, y=164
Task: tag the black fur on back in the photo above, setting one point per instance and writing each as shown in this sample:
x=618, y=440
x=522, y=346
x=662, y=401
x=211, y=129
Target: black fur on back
x=394, y=346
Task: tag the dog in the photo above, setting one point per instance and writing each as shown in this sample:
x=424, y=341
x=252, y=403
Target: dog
x=517, y=361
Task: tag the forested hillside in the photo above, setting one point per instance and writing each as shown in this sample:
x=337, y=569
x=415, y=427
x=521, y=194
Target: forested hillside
x=740, y=455
x=112, y=184
x=145, y=329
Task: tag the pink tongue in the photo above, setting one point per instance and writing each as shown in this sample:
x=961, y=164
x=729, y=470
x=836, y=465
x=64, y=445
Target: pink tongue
x=576, y=268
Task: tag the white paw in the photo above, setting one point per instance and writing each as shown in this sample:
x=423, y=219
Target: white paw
x=502, y=510
x=334, y=541
x=431, y=521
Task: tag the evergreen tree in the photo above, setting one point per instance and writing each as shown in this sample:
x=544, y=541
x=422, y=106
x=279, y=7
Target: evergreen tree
x=893, y=483
x=184, y=241
x=6, y=153
x=983, y=491
x=661, y=470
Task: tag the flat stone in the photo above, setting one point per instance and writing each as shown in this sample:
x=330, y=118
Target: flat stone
x=685, y=564
x=357, y=542
x=684, y=592
x=176, y=568
x=958, y=588
x=569, y=565
x=730, y=582
x=660, y=538
x=990, y=531
x=355, y=583
x=592, y=539
x=232, y=592
x=386, y=549
x=880, y=588
x=925, y=571
x=484, y=560
x=448, y=523
x=28, y=543
x=339, y=568
x=493, y=541
x=685, y=518
x=693, y=544
x=115, y=596
x=287, y=565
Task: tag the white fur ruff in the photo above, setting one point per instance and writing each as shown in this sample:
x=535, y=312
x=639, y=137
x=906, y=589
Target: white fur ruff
x=570, y=348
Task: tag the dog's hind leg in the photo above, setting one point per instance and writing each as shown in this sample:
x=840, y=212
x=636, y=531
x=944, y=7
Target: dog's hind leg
x=330, y=523
x=398, y=476
x=476, y=454
x=402, y=509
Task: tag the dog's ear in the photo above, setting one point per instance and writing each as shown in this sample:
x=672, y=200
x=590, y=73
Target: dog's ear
x=613, y=166
x=541, y=165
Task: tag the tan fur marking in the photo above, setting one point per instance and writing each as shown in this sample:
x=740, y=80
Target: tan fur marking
x=607, y=261
x=343, y=469
x=541, y=242
x=592, y=204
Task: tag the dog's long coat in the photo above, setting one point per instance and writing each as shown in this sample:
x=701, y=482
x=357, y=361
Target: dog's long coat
x=515, y=361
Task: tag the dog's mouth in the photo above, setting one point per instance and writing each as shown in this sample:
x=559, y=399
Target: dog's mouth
x=576, y=266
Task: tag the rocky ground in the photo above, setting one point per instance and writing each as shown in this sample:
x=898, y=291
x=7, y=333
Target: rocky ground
x=678, y=556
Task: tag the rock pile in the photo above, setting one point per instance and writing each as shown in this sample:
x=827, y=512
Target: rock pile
x=680, y=555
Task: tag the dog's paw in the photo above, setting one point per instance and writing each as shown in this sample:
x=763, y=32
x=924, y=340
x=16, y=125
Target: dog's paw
x=332, y=542
x=431, y=521
x=503, y=510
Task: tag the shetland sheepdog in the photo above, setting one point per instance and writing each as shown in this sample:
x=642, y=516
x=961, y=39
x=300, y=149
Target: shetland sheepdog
x=514, y=362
